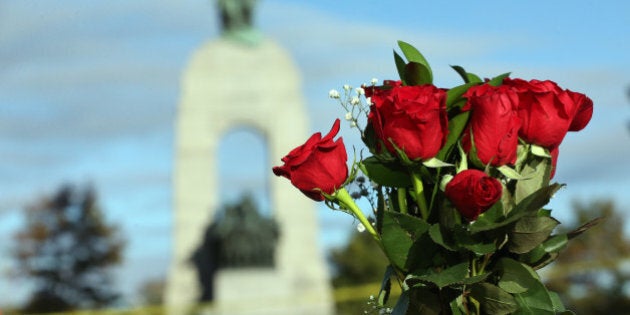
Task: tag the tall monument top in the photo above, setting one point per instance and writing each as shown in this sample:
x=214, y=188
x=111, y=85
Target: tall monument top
x=237, y=20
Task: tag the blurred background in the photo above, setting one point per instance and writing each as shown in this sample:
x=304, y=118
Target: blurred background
x=89, y=91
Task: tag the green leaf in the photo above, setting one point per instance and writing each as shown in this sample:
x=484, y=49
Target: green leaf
x=455, y=128
x=417, y=74
x=436, y=163
x=436, y=235
x=455, y=94
x=400, y=232
x=529, y=232
x=498, y=80
x=584, y=227
x=539, y=151
x=535, y=174
x=493, y=299
x=510, y=172
x=442, y=278
x=476, y=279
x=493, y=219
x=386, y=174
x=400, y=66
x=413, y=55
x=555, y=243
x=466, y=76
x=558, y=306
x=535, y=299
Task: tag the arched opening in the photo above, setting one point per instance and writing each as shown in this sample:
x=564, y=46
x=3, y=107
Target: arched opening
x=242, y=165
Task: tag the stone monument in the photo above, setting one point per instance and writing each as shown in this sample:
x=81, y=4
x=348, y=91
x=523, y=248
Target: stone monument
x=243, y=79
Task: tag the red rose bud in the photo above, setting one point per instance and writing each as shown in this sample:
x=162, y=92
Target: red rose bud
x=584, y=111
x=546, y=111
x=472, y=192
x=412, y=117
x=494, y=124
x=319, y=165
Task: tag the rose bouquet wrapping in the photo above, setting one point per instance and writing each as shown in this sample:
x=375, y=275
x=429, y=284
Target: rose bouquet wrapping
x=460, y=178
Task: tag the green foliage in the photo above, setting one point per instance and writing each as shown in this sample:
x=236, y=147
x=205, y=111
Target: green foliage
x=590, y=257
x=68, y=249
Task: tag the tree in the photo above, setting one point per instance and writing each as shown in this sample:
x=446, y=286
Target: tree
x=68, y=249
x=588, y=273
x=152, y=291
x=361, y=262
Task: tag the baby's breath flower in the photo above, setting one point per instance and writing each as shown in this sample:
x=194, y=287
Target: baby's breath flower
x=353, y=124
x=348, y=116
x=346, y=87
x=374, y=81
x=360, y=91
x=360, y=228
x=355, y=101
x=333, y=94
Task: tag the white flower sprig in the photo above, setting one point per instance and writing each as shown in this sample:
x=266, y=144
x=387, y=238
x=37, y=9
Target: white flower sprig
x=354, y=102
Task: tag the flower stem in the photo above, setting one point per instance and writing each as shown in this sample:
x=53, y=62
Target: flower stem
x=418, y=188
x=345, y=200
x=402, y=200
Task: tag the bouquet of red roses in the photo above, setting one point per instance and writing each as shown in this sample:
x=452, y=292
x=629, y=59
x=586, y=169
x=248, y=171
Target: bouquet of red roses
x=459, y=182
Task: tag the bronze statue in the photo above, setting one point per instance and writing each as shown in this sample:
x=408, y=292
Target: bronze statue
x=240, y=237
x=237, y=20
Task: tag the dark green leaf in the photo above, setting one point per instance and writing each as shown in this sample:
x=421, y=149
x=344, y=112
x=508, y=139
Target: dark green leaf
x=498, y=80
x=466, y=76
x=529, y=232
x=413, y=55
x=493, y=299
x=437, y=236
x=582, y=228
x=424, y=301
x=442, y=278
x=476, y=279
x=535, y=298
x=455, y=128
x=417, y=74
x=555, y=243
x=492, y=219
x=400, y=231
x=455, y=93
x=400, y=66
x=558, y=306
x=386, y=174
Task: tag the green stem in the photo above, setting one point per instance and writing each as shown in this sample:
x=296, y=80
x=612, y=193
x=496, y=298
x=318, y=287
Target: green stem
x=418, y=189
x=344, y=199
x=402, y=200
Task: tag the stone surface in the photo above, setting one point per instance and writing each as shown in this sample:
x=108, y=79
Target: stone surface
x=227, y=85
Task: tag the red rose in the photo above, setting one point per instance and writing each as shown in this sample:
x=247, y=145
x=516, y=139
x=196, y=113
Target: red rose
x=546, y=111
x=473, y=192
x=493, y=123
x=319, y=165
x=412, y=117
x=584, y=111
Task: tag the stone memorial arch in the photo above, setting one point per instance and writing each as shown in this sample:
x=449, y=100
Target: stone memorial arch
x=243, y=80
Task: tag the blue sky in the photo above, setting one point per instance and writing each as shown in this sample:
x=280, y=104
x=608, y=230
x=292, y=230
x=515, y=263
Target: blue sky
x=88, y=93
